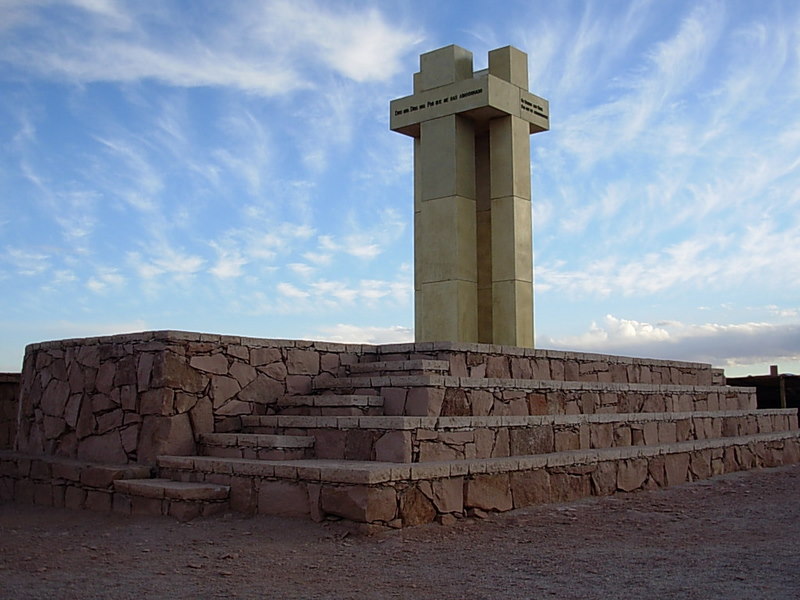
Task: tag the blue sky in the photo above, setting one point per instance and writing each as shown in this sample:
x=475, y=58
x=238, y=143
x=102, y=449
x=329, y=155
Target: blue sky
x=227, y=167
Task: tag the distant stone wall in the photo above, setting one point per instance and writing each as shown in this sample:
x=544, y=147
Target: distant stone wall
x=129, y=398
x=9, y=404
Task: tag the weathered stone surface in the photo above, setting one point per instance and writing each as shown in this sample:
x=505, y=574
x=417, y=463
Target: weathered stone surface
x=447, y=494
x=632, y=474
x=144, y=369
x=416, y=508
x=125, y=373
x=497, y=367
x=165, y=435
x=394, y=446
x=104, y=382
x=566, y=487
x=202, y=417
x=243, y=373
x=298, y=385
x=489, y=492
x=604, y=478
x=283, y=498
x=173, y=371
x=262, y=390
x=216, y=363
x=105, y=448
x=700, y=464
x=424, y=402
x=234, y=407
x=677, y=468
x=360, y=503
x=530, y=487
x=264, y=356
x=157, y=402
x=223, y=389
x=55, y=398
x=455, y=403
x=302, y=362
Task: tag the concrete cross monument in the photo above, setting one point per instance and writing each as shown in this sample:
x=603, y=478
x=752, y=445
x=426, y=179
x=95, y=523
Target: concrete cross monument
x=473, y=263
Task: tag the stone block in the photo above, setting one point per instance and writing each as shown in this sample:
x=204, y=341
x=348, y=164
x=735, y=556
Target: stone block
x=677, y=468
x=631, y=474
x=489, y=492
x=415, y=507
x=244, y=374
x=530, y=487
x=98, y=501
x=283, y=498
x=448, y=494
x=106, y=448
x=566, y=487
x=359, y=502
x=604, y=478
x=302, y=362
x=215, y=363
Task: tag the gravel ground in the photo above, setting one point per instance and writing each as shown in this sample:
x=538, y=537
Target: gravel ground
x=732, y=537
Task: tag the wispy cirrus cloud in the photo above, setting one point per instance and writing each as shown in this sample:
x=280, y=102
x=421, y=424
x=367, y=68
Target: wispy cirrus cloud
x=275, y=44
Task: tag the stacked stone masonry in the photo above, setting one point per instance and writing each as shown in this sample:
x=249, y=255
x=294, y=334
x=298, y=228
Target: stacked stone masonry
x=9, y=403
x=391, y=435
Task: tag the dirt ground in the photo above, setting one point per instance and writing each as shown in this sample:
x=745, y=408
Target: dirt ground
x=733, y=537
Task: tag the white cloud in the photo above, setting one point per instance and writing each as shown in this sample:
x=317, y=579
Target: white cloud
x=104, y=279
x=356, y=334
x=291, y=292
x=719, y=344
x=27, y=262
x=257, y=47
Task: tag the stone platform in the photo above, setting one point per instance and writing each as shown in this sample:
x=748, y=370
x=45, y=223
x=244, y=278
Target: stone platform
x=391, y=435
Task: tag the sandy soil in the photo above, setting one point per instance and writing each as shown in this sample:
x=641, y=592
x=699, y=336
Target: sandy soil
x=733, y=537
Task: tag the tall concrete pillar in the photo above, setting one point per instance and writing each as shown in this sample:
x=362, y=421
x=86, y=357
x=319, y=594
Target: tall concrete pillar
x=472, y=199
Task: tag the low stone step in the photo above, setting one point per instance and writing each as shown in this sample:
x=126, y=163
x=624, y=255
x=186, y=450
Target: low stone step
x=420, y=366
x=179, y=499
x=257, y=446
x=435, y=395
x=331, y=405
x=397, y=495
x=426, y=439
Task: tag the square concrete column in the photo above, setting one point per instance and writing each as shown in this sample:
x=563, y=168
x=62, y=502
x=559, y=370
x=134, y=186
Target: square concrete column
x=445, y=257
x=511, y=232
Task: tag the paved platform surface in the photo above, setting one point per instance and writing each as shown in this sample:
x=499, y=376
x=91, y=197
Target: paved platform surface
x=732, y=537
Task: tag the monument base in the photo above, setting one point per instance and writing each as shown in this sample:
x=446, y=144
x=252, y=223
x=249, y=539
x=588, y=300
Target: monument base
x=385, y=436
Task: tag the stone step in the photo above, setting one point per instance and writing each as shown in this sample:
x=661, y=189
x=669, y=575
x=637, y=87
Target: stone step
x=407, y=367
x=257, y=446
x=381, y=494
x=425, y=439
x=484, y=360
x=331, y=405
x=179, y=499
x=435, y=395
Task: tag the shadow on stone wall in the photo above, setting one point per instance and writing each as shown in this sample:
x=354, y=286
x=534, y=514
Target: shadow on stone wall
x=9, y=404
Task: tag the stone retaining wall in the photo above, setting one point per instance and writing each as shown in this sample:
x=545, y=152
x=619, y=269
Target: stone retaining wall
x=437, y=395
x=61, y=482
x=445, y=491
x=129, y=398
x=508, y=362
x=9, y=407
x=410, y=439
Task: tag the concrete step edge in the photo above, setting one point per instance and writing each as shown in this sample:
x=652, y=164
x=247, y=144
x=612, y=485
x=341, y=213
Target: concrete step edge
x=372, y=473
x=259, y=440
x=471, y=422
x=160, y=488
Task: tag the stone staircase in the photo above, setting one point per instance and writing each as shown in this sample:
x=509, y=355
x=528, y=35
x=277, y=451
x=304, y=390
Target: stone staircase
x=408, y=437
